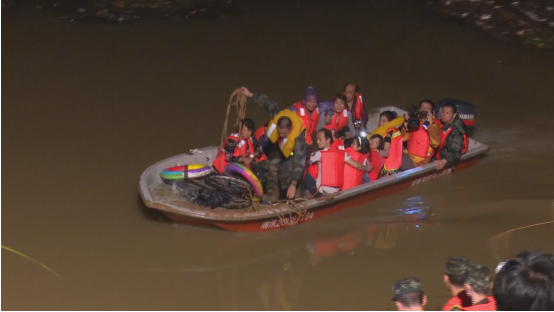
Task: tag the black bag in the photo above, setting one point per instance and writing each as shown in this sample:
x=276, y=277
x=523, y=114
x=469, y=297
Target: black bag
x=211, y=198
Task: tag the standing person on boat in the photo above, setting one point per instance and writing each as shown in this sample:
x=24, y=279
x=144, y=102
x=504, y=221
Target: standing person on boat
x=477, y=286
x=355, y=103
x=288, y=151
x=339, y=118
x=326, y=171
x=358, y=151
x=408, y=295
x=240, y=147
x=454, y=138
x=423, y=136
x=392, y=147
x=455, y=275
x=307, y=109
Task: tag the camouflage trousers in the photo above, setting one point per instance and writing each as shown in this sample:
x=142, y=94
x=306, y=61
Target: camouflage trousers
x=274, y=188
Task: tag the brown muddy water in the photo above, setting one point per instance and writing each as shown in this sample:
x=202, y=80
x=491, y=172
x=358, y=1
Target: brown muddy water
x=87, y=107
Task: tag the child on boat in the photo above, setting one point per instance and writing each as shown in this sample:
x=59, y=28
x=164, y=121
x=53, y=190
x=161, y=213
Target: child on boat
x=358, y=149
x=392, y=147
x=376, y=144
x=326, y=171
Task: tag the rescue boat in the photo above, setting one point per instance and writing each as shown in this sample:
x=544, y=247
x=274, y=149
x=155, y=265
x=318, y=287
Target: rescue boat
x=171, y=200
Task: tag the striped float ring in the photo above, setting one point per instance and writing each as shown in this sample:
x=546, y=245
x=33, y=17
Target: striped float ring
x=186, y=172
x=234, y=168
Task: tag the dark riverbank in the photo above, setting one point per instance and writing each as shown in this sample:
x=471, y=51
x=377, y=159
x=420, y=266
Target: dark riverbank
x=529, y=22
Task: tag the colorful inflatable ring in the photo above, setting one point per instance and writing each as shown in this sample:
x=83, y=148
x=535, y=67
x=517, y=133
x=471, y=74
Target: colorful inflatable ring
x=186, y=172
x=234, y=168
x=391, y=124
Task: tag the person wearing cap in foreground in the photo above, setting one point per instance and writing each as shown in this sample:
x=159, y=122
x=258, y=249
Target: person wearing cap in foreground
x=408, y=295
x=477, y=285
x=455, y=274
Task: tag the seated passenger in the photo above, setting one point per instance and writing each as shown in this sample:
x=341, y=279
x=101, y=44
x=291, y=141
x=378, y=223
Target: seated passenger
x=355, y=103
x=241, y=151
x=358, y=151
x=376, y=161
x=454, y=141
x=326, y=171
x=392, y=147
x=338, y=118
x=308, y=111
x=423, y=139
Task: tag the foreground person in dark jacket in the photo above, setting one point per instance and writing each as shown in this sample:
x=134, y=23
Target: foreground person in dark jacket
x=450, y=150
x=285, y=172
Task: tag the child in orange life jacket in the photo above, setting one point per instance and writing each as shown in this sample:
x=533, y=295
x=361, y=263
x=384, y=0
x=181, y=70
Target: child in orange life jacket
x=326, y=171
x=358, y=149
x=376, y=144
x=240, y=148
x=392, y=147
x=339, y=118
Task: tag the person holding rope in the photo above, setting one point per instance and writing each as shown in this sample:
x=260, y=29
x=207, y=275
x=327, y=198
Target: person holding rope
x=287, y=152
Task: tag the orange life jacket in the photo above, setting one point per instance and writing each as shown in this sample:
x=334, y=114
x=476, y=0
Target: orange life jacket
x=489, y=306
x=338, y=144
x=394, y=160
x=460, y=301
x=310, y=122
x=376, y=161
x=244, y=148
x=220, y=162
x=258, y=134
x=419, y=143
x=358, y=110
x=352, y=176
x=445, y=135
x=338, y=123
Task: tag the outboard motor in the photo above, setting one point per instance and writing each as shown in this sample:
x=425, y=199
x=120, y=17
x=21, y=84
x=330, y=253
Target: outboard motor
x=465, y=111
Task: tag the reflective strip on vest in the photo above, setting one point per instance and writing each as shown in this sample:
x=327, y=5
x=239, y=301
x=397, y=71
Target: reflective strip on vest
x=302, y=112
x=283, y=143
x=271, y=129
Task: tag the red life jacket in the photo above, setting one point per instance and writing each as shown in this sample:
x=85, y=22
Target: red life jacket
x=419, y=143
x=337, y=125
x=376, y=161
x=394, y=160
x=358, y=110
x=352, y=176
x=489, y=306
x=244, y=149
x=220, y=162
x=445, y=135
x=332, y=168
x=338, y=144
x=258, y=134
x=310, y=122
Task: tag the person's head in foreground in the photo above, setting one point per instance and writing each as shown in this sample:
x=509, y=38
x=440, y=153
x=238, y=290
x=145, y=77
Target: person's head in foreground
x=408, y=295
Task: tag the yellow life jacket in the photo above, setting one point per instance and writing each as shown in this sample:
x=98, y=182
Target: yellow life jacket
x=391, y=124
x=286, y=145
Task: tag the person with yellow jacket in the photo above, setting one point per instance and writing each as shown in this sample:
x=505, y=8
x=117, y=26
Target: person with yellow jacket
x=423, y=140
x=288, y=150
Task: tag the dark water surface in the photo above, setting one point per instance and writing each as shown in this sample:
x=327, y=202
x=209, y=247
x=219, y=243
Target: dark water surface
x=87, y=107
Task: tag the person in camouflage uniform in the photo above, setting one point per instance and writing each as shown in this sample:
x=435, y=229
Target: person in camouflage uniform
x=455, y=275
x=284, y=174
x=408, y=295
x=477, y=285
x=451, y=152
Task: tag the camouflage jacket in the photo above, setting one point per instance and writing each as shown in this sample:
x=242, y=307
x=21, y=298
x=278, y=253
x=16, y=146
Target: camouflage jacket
x=454, y=143
x=292, y=168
